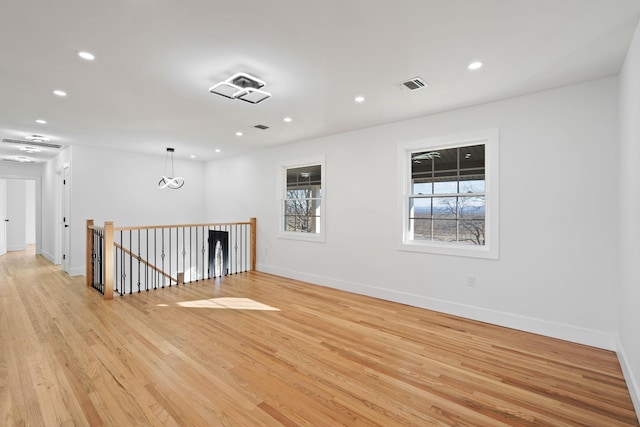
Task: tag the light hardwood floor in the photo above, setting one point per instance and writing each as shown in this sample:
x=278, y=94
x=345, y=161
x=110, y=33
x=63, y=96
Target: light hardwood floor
x=325, y=358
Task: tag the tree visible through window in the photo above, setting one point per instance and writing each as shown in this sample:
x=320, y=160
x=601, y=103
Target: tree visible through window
x=447, y=199
x=303, y=199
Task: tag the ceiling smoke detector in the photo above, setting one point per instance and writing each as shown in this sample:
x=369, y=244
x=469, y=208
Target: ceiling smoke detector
x=413, y=84
x=241, y=86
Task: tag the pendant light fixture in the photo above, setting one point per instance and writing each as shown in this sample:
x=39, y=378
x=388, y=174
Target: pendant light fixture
x=173, y=182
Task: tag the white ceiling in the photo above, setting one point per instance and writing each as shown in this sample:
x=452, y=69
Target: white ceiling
x=155, y=60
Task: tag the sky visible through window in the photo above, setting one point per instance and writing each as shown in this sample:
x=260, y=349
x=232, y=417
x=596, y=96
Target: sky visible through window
x=447, y=202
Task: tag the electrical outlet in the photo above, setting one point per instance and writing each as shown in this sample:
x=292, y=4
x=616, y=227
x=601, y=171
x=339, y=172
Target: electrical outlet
x=471, y=280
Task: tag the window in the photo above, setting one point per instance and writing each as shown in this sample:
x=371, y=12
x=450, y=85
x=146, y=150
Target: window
x=449, y=202
x=447, y=199
x=302, y=204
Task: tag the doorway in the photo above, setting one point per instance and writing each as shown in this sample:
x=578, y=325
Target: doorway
x=17, y=214
x=3, y=217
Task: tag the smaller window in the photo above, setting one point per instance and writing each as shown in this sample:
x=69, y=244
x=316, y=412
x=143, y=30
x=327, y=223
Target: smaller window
x=303, y=199
x=302, y=202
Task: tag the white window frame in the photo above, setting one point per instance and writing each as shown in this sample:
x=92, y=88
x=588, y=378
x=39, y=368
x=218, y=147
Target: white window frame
x=282, y=194
x=490, y=138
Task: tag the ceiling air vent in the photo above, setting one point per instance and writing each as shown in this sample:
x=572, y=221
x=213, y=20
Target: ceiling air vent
x=263, y=127
x=413, y=84
x=30, y=143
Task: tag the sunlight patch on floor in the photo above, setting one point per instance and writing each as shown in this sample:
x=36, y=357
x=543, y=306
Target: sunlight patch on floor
x=228, y=303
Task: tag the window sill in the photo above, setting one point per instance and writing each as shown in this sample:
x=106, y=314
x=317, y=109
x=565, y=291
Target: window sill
x=308, y=237
x=485, y=252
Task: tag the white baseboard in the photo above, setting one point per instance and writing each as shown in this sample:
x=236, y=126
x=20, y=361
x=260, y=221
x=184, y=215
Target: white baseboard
x=561, y=331
x=49, y=256
x=16, y=248
x=77, y=271
x=629, y=377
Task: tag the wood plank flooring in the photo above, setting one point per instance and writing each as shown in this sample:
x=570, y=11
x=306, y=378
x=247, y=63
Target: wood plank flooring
x=205, y=354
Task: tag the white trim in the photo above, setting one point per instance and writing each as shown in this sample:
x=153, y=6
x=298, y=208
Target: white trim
x=50, y=257
x=632, y=384
x=282, y=182
x=77, y=271
x=490, y=137
x=65, y=218
x=590, y=337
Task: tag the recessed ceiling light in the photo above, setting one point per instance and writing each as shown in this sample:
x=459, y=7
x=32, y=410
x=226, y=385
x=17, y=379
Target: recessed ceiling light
x=359, y=98
x=22, y=159
x=42, y=122
x=36, y=138
x=475, y=65
x=239, y=133
x=59, y=92
x=217, y=150
x=86, y=56
x=30, y=149
x=287, y=119
x=193, y=156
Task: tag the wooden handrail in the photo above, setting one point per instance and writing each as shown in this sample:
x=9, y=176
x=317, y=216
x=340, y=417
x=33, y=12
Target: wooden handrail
x=157, y=227
x=151, y=227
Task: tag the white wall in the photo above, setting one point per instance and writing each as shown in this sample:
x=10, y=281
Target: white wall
x=557, y=269
x=20, y=170
x=30, y=211
x=629, y=307
x=109, y=185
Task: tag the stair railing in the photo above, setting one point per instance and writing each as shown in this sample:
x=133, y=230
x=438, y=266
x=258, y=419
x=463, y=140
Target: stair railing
x=135, y=259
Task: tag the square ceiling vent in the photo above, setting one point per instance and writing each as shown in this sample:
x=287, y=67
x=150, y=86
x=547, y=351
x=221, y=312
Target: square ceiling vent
x=415, y=83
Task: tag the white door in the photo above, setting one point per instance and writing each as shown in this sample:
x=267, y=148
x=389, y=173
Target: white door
x=3, y=217
x=65, y=220
x=16, y=208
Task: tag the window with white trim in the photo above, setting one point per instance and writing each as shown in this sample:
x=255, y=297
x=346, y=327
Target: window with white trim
x=449, y=197
x=302, y=201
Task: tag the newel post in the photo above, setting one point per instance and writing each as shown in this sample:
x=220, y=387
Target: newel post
x=89, y=260
x=254, y=249
x=108, y=260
